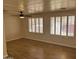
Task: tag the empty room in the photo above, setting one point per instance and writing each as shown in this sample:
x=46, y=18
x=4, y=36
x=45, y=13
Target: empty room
x=39, y=29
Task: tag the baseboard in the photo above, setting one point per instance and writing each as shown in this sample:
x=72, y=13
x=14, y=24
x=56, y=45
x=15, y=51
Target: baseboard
x=5, y=56
x=54, y=43
x=14, y=38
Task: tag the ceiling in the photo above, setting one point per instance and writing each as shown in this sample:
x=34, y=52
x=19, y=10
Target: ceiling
x=12, y=6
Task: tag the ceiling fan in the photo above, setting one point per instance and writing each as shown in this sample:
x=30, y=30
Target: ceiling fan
x=20, y=12
x=22, y=15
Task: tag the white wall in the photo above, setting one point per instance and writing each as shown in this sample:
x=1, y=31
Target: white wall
x=12, y=27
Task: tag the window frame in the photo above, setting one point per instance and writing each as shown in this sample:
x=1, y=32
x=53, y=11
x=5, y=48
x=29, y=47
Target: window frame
x=61, y=26
x=40, y=32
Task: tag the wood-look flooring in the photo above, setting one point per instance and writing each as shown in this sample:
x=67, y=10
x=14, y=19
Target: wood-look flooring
x=30, y=49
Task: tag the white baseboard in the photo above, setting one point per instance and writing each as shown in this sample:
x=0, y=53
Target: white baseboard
x=14, y=38
x=44, y=41
x=5, y=56
x=54, y=43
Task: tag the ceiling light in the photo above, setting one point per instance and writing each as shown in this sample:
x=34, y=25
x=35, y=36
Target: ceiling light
x=21, y=16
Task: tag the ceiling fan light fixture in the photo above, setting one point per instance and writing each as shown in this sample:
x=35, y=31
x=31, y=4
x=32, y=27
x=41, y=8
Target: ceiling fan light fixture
x=21, y=17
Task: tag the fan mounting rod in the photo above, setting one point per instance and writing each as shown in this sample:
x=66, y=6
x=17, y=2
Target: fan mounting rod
x=21, y=5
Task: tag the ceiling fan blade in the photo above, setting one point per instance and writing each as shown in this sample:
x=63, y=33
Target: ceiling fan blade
x=27, y=16
x=14, y=15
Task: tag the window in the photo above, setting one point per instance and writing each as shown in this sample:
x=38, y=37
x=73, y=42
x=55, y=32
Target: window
x=52, y=24
x=35, y=25
x=62, y=25
x=30, y=27
x=41, y=25
x=71, y=22
x=35, y=6
x=57, y=25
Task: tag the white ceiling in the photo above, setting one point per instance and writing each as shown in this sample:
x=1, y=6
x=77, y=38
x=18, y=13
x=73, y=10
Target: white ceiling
x=12, y=6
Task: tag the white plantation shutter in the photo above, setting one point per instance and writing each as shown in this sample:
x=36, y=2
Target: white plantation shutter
x=52, y=24
x=71, y=22
x=35, y=25
x=64, y=26
x=41, y=25
x=57, y=25
x=30, y=23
